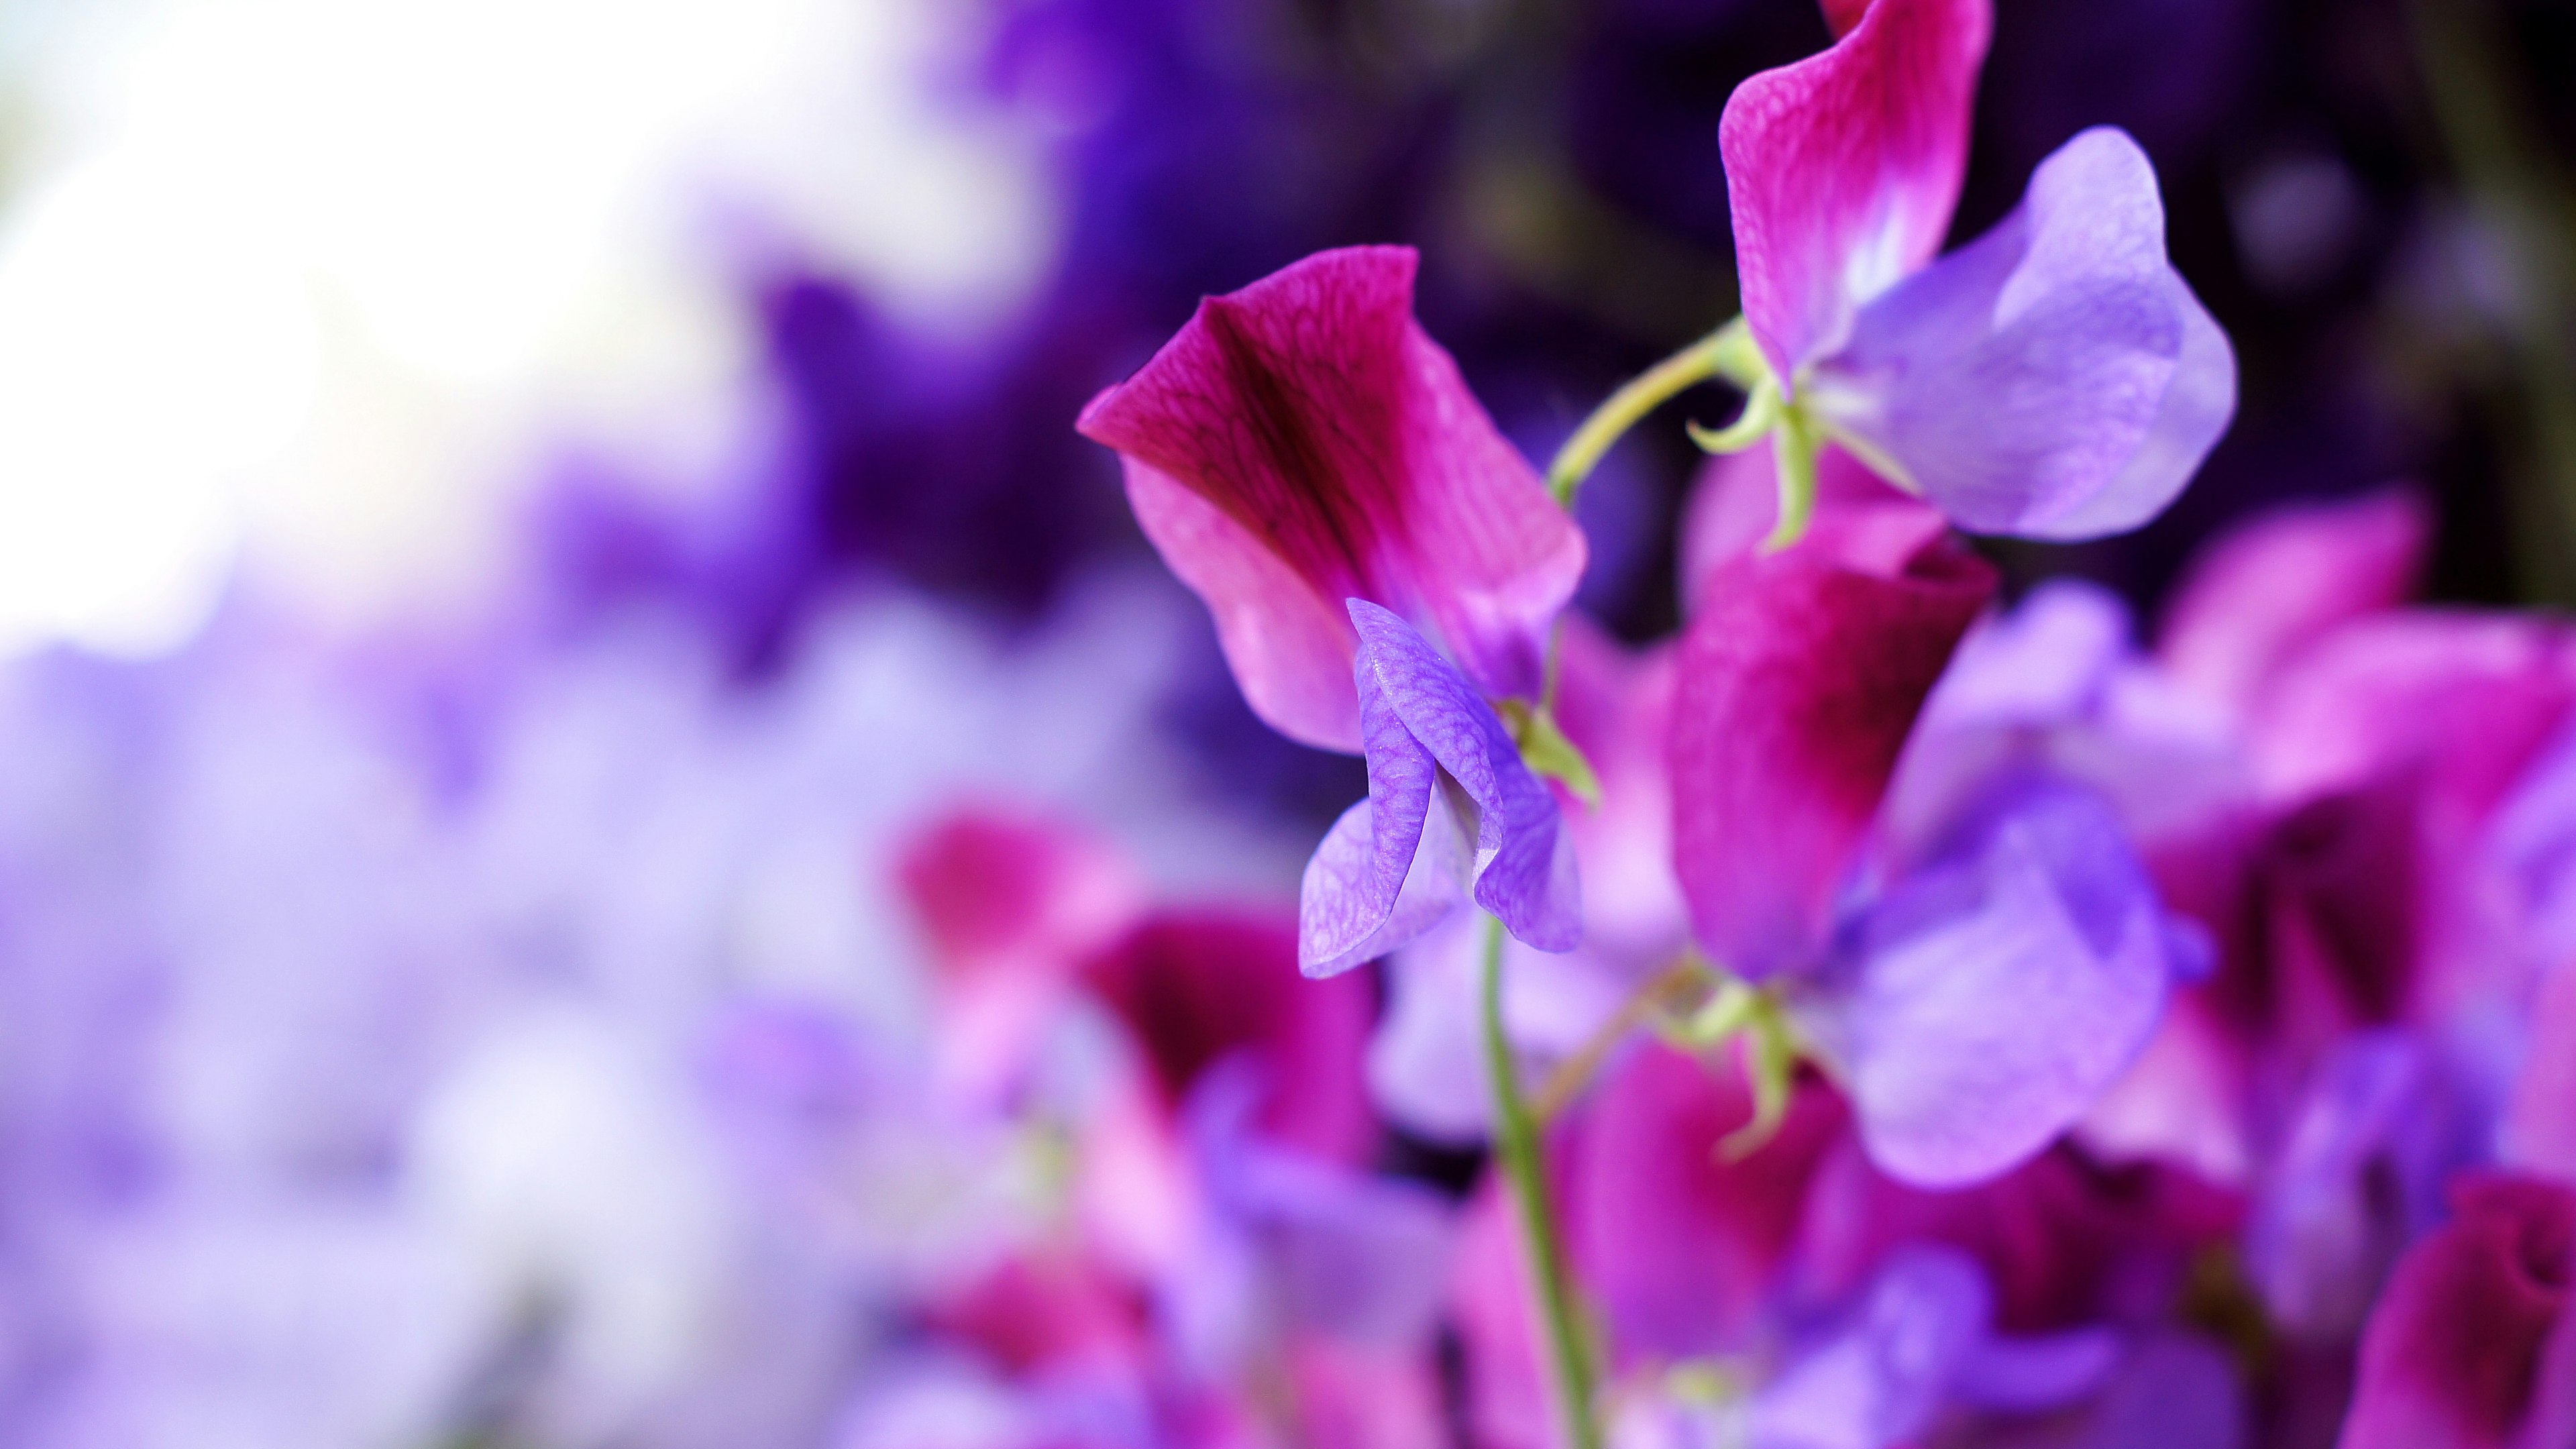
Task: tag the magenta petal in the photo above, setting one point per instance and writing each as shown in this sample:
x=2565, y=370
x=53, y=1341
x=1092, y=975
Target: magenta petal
x=2454, y=1355
x=1289, y=646
x=2271, y=587
x=1334, y=452
x=1680, y=1244
x=1736, y=501
x=1842, y=169
x=1799, y=681
x=2055, y=378
x=1991, y=998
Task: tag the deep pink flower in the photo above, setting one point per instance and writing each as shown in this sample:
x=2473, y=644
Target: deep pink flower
x=2473, y=1345
x=1799, y=682
x=1302, y=443
x=1195, y=988
x=2259, y=594
x=1678, y=1243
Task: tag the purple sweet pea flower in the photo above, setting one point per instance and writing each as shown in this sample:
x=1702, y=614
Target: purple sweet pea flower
x=2474, y=1344
x=1975, y=992
x=1394, y=865
x=1921, y=1342
x=1316, y=1246
x=2358, y=1175
x=1980, y=1005
x=2054, y=379
x=1303, y=442
x=1427, y=1067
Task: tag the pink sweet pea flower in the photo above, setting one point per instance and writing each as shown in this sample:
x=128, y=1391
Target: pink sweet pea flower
x=2053, y=379
x=2473, y=1346
x=1975, y=989
x=1195, y=988
x=1302, y=443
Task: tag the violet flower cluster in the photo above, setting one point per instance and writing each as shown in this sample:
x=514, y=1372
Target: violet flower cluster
x=2060, y=1042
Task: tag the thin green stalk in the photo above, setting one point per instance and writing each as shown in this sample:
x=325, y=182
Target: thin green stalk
x=1516, y=1144
x=1728, y=352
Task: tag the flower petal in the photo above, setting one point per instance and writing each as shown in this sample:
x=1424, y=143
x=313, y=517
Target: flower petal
x=1391, y=868
x=2053, y=379
x=2269, y=588
x=1287, y=644
x=1881, y=1379
x=1524, y=857
x=1798, y=683
x=1735, y=503
x=1198, y=987
x=1989, y=999
x=1678, y=1243
x=2454, y=1351
x=1842, y=169
x=1322, y=429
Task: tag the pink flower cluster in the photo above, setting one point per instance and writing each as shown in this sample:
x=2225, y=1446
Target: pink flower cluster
x=1905, y=1019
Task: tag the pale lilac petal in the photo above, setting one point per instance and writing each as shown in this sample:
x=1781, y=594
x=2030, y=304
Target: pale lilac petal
x=1799, y=681
x=1362, y=1258
x=1323, y=431
x=1524, y=870
x=2055, y=378
x=1346, y=918
x=1842, y=169
x=2173, y=1392
x=2453, y=1354
x=2270, y=587
x=1990, y=998
x=1879, y=1382
x=2034, y=1374
x=1426, y=1063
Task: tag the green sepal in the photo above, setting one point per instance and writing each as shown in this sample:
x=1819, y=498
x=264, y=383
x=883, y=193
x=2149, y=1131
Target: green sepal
x=1796, y=445
x=1548, y=753
x=1761, y=414
x=1770, y=1062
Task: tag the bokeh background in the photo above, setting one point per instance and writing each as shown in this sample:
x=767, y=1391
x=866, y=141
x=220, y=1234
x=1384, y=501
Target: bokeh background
x=515, y=514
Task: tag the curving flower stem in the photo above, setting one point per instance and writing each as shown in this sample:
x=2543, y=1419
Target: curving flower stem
x=1729, y=352
x=1516, y=1145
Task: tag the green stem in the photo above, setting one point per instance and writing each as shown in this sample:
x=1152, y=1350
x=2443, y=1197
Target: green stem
x=1728, y=352
x=1516, y=1144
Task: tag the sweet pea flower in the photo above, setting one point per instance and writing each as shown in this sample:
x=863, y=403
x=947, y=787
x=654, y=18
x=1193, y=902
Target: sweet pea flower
x=1452, y=808
x=2474, y=1344
x=1975, y=989
x=1302, y=443
x=2053, y=379
x=1381, y=564
x=1427, y=1065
